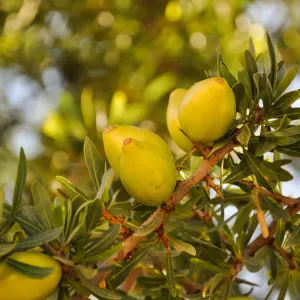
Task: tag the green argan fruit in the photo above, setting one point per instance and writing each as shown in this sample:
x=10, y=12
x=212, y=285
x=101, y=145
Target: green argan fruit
x=148, y=173
x=114, y=136
x=207, y=110
x=178, y=137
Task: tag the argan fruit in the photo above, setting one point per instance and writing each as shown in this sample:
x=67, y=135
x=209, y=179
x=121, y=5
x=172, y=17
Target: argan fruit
x=207, y=110
x=182, y=141
x=114, y=136
x=147, y=172
x=15, y=285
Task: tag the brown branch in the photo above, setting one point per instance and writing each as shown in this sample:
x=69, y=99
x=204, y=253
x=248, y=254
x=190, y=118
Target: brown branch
x=278, y=197
x=243, y=281
x=210, y=182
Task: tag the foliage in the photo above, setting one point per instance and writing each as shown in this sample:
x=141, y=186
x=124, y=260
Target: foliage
x=190, y=251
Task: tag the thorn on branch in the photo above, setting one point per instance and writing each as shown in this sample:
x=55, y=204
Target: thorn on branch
x=210, y=182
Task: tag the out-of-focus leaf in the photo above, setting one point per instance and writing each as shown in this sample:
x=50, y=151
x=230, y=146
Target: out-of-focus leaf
x=63, y=294
x=159, y=86
x=205, y=265
x=95, y=290
x=286, y=81
x=239, y=172
x=217, y=279
x=145, y=230
x=283, y=290
x=296, y=282
x=273, y=73
x=86, y=272
x=43, y=204
x=219, y=62
x=18, y=189
x=280, y=173
x=170, y=276
x=181, y=246
x=71, y=190
x=292, y=150
x=244, y=136
x=105, y=241
x=39, y=239
x=29, y=270
x=94, y=163
x=286, y=100
x=253, y=224
x=264, y=176
x=151, y=282
x=120, y=273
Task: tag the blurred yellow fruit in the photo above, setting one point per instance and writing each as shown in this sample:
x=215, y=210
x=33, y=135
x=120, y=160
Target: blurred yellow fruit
x=16, y=286
x=207, y=110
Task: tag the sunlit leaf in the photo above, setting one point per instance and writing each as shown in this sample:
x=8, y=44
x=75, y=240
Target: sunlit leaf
x=71, y=190
x=286, y=81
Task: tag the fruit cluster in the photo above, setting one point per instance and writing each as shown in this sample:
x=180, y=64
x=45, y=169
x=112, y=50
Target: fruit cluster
x=204, y=113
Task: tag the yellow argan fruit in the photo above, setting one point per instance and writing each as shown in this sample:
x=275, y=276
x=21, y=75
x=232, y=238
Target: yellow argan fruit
x=207, y=110
x=114, y=136
x=148, y=173
x=178, y=137
x=16, y=286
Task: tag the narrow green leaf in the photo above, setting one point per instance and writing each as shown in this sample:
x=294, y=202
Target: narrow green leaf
x=280, y=232
x=94, y=214
x=227, y=75
x=105, y=241
x=43, y=204
x=265, y=144
x=283, y=290
x=71, y=190
x=294, y=239
x=63, y=294
x=102, y=256
x=29, y=270
x=119, y=274
x=296, y=282
x=280, y=173
x=94, y=163
x=239, y=172
x=217, y=279
x=218, y=145
x=95, y=290
x=266, y=92
x=242, y=217
x=181, y=246
x=170, y=276
x=273, y=264
x=1, y=206
x=6, y=249
x=78, y=287
x=120, y=209
x=244, y=136
x=205, y=265
x=263, y=175
x=182, y=209
x=219, y=61
x=274, y=208
x=253, y=224
x=251, y=68
x=273, y=74
x=239, y=93
x=293, y=113
x=286, y=100
x=150, y=227
x=39, y=239
x=105, y=183
x=57, y=218
x=286, y=81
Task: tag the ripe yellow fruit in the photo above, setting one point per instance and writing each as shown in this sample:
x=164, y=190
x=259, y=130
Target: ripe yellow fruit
x=178, y=137
x=114, y=136
x=207, y=110
x=16, y=286
x=148, y=173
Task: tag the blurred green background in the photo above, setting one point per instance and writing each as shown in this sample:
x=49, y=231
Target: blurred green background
x=69, y=68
